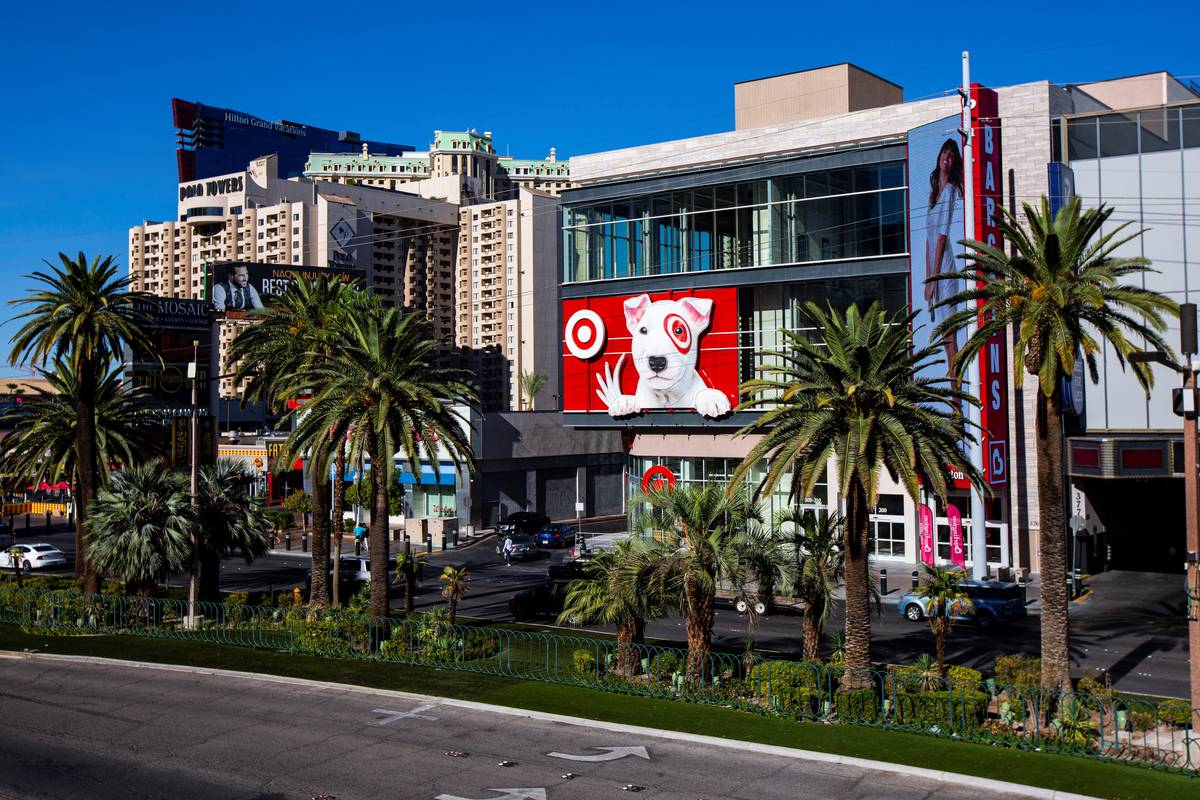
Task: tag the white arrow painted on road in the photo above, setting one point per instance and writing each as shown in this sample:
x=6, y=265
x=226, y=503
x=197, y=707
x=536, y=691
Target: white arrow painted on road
x=509, y=794
x=392, y=716
x=612, y=755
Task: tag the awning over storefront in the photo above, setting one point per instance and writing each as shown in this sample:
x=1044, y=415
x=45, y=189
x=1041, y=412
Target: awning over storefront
x=429, y=476
x=685, y=445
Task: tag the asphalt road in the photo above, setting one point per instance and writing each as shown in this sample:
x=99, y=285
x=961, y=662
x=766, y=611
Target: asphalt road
x=95, y=732
x=1133, y=624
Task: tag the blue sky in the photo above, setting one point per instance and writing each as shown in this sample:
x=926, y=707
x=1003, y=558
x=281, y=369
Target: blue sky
x=87, y=146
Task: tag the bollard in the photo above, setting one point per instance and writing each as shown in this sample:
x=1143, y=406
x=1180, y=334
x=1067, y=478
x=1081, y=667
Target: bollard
x=916, y=579
x=304, y=542
x=287, y=541
x=27, y=521
x=357, y=547
x=428, y=543
x=407, y=548
x=71, y=521
x=883, y=582
x=47, y=522
x=297, y=598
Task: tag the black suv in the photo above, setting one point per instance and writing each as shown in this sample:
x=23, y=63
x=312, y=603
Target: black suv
x=529, y=522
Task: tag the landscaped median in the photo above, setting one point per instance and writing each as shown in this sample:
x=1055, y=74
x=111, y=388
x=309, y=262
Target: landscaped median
x=1002, y=731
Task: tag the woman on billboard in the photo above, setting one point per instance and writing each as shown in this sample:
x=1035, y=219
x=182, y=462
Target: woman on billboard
x=945, y=227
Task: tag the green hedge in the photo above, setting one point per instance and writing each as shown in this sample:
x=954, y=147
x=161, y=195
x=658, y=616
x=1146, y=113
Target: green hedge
x=790, y=686
x=955, y=709
x=861, y=705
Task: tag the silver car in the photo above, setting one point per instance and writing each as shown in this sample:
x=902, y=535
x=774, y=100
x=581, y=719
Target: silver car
x=33, y=556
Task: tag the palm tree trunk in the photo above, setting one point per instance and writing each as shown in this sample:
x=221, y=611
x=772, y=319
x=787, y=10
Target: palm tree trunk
x=858, y=597
x=698, y=623
x=452, y=608
x=814, y=609
x=318, y=596
x=210, y=576
x=627, y=652
x=88, y=469
x=939, y=625
x=410, y=580
x=336, y=529
x=1052, y=544
x=380, y=475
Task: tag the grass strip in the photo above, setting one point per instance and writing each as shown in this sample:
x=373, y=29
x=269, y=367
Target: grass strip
x=1047, y=770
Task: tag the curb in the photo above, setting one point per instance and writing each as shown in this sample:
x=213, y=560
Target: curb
x=939, y=776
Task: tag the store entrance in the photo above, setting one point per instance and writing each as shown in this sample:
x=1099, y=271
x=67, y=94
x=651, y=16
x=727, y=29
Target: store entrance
x=1144, y=528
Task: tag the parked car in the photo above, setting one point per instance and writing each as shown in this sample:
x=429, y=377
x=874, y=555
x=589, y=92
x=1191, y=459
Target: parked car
x=523, y=546
x=568, y=570
x=556, y=534
x=993, y=602
x=540, y=601
x=34, y=556
x=528, y=522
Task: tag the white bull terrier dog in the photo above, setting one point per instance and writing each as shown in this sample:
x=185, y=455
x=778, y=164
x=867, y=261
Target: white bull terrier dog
x=665, y=346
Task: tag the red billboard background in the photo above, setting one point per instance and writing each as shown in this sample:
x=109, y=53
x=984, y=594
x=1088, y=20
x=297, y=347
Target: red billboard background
x=600, y=335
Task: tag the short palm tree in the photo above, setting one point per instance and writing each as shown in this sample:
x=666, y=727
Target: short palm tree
x=231, y=522
x=410, y=567
x=303, y=328
x=1064, y=297
x=81, y=312
x=764, y=561
x=142, y=527
x=387, y=397
x=15, y=554
x=818, y=566
x=613, y=592
x=699, y=550
x=855, y=398
x=947, y=599
x=455, y=583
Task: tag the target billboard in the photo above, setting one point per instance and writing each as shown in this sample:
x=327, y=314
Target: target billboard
x=628, y=354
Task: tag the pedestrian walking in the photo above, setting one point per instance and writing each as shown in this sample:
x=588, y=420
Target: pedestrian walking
x=507, y=551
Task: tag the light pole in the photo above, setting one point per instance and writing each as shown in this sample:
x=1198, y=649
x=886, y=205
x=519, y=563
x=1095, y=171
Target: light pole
x=1185, y=404
x=193, y=376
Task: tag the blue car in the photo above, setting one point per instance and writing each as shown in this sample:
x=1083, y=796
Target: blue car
x=993, y=602
x=555, y=535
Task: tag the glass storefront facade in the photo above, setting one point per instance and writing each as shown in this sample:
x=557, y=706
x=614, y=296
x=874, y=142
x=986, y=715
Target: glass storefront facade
x=831, y=215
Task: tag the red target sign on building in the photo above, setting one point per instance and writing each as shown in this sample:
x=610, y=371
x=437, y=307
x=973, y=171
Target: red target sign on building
x=658, y=478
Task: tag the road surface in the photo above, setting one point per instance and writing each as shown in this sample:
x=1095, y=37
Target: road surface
x=95, y=732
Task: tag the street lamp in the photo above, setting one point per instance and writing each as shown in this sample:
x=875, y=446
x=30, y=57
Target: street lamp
x=1184, y=402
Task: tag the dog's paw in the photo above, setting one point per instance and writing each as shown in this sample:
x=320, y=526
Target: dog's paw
x=623, y=405
x=712, y=403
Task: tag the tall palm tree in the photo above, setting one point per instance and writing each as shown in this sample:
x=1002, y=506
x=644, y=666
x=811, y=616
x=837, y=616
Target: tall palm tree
x=231, y=522
x=83, y=313
x=855, y=399
x=1062, y=295
x=385, y=395
x=947, y=599
x=699, y=550
x=142, y=527
x=818, y=567
x=301, y=329
x=455, y=583
x=613, y=591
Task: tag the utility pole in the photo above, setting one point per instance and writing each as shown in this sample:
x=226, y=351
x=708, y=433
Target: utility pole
x=979, y=568
x=1191, y=491
x=194, y=377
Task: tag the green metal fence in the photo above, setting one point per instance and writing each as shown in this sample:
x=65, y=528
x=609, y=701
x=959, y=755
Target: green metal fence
x=1102, y=724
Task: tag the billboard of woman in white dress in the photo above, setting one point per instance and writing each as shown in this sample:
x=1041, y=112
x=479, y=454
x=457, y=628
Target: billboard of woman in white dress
x=936, y=227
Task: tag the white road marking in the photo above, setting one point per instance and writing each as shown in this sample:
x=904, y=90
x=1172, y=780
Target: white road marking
x=393, y=715
x=509, y=794
x=612, y=754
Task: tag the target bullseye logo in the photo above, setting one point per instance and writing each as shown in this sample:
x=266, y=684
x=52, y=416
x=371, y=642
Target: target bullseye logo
x=678, y=332
x=585, y=334
x=658, y=477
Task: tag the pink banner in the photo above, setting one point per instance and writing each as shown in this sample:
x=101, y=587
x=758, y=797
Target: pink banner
x=926, y=532
x=957, y=554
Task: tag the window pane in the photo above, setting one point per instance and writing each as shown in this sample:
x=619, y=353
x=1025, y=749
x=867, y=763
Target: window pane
x=1118, y=135
x=1160, y=129
x=1191, y=126
x=1081, y=138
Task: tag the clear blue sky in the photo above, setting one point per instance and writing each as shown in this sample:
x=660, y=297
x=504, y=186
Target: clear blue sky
x=87, y=146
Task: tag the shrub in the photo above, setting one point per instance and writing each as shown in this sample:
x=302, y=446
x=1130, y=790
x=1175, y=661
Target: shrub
x=861, y=705
x=1176, y=712
x=663, y=665
x=1141, y=719
x=583, y=662
x=334, y=636
x=790, y=686
x=956, y=709
x=964, y=677
x=237, y=598
x=1093, y=687
x=1022, y=672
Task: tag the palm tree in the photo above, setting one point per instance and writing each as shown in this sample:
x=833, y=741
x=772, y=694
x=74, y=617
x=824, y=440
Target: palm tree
x=700, y=550
x=231, y=522
x=84, y=314
x=385, y=395
x=456, y=582
x=1062, y=296
x=818, y=566
x=531, y=383
x=142, y=527
x=15, y=554
x=855, y=400
x=763, y=561
x=613, y=592
x=303, y=328
x=411, y=568
x=947, y=599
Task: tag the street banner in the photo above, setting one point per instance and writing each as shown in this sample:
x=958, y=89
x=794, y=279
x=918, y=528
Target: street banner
x=926, y=532
x=957, y=553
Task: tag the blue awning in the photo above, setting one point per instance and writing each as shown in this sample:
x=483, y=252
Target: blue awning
x=429, y=477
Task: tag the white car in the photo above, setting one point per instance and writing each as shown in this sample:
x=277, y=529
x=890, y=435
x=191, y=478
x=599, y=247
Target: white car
x=34, y=556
